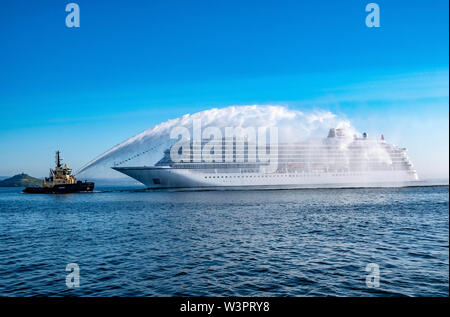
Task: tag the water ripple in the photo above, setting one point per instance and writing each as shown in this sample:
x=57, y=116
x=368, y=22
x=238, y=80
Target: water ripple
x=257, y=243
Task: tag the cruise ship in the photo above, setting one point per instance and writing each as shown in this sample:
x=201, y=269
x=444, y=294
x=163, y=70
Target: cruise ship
x=335, y=161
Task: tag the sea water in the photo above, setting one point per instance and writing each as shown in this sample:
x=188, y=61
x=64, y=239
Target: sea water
x=317, y=242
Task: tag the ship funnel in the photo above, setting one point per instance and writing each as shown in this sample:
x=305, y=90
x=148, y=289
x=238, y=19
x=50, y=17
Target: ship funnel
x=332, y=133
x=336, y=132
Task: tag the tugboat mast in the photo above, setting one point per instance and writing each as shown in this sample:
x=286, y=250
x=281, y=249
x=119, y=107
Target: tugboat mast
x=58, y=159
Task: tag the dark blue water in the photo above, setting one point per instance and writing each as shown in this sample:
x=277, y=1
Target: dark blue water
x=254, y=243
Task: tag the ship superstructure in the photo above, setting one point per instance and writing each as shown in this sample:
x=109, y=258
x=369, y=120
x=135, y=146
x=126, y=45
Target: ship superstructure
x=60, y=175
x=339, y=160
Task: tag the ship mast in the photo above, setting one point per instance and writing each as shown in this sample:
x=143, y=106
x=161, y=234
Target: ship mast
x=58, y=159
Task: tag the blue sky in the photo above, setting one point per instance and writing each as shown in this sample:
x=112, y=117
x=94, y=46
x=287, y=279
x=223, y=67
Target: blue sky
x=133, y=64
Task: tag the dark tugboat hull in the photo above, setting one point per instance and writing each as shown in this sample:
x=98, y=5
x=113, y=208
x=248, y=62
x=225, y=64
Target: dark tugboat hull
x=78, y=187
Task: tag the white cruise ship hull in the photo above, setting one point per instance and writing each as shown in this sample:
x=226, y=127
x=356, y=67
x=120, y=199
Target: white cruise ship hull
x=171, y=178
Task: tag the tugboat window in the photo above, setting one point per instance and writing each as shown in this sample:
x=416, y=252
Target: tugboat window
x=156, y=181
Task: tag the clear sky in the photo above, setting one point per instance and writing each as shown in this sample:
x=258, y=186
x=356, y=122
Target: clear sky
x=133, y=64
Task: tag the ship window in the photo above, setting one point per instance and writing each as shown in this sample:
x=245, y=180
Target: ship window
x=156, y=181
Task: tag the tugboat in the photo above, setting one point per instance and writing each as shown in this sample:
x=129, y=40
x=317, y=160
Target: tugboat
x=61, y=181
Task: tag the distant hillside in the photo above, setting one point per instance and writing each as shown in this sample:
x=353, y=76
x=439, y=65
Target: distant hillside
x=21, y=180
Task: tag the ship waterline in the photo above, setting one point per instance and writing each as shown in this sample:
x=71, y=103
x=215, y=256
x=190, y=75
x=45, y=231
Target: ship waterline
x=164, y=178
x=335, y=161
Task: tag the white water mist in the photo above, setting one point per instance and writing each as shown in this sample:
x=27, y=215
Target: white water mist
x=147, y=147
